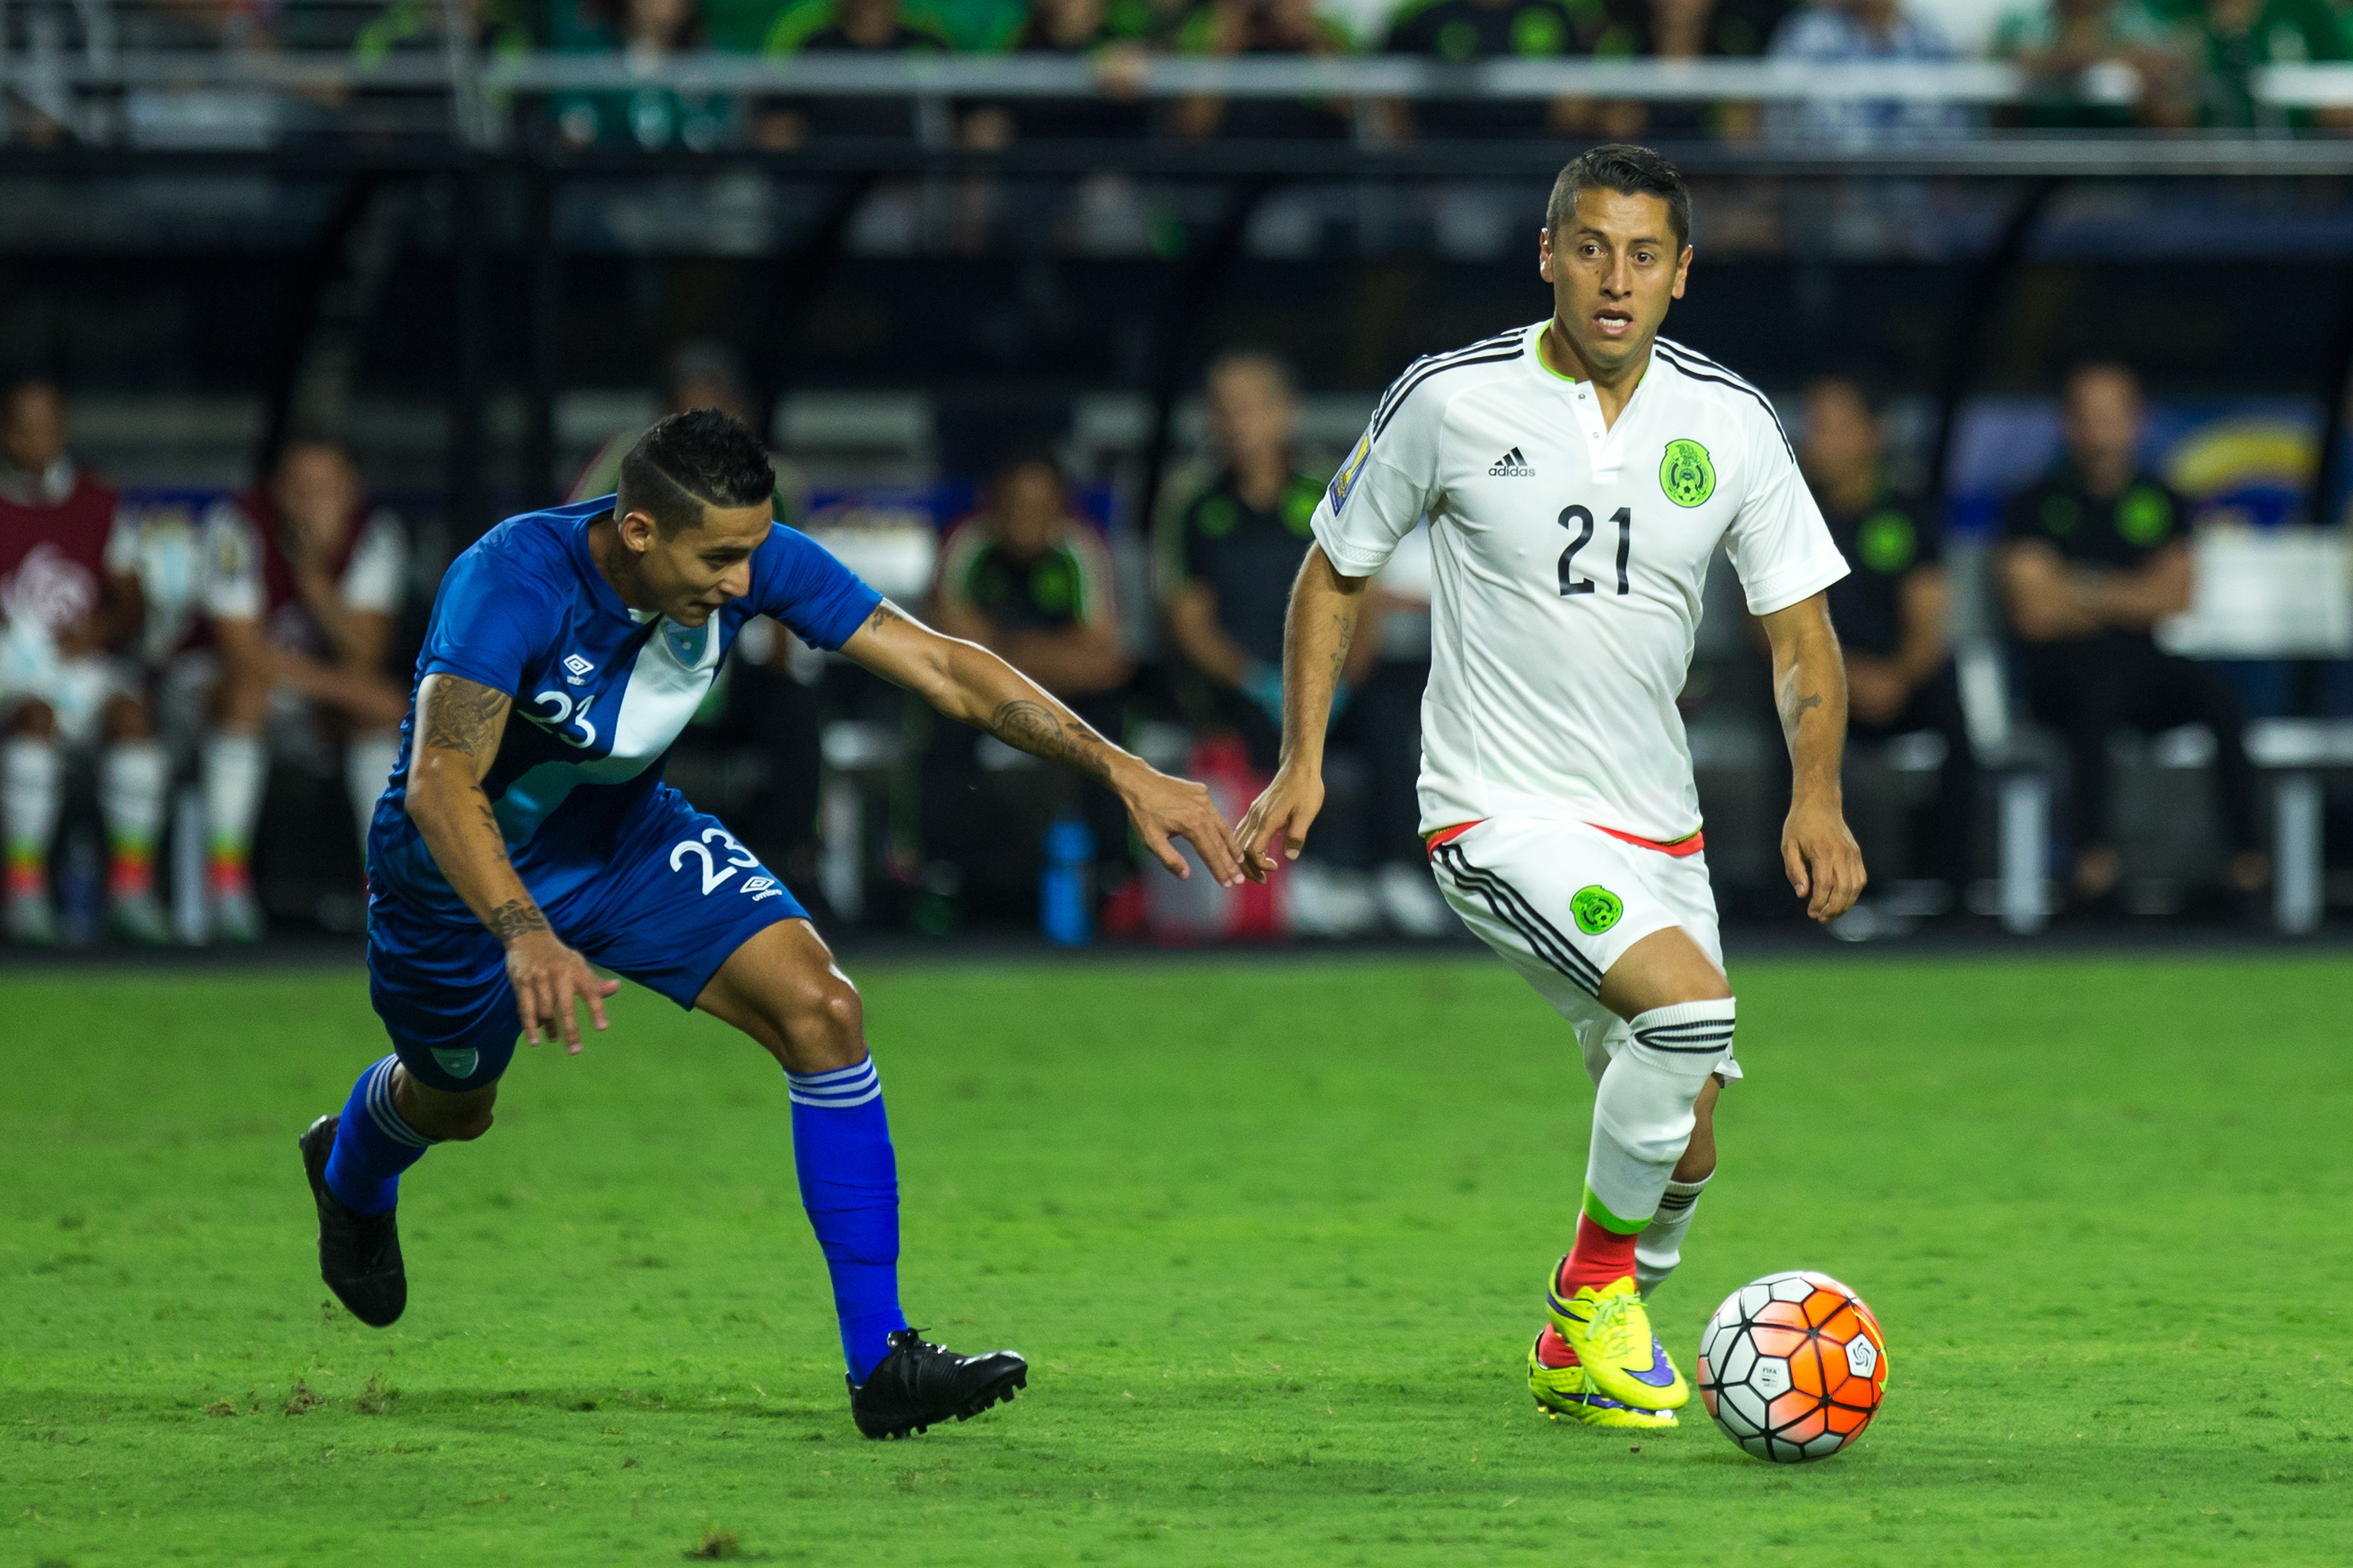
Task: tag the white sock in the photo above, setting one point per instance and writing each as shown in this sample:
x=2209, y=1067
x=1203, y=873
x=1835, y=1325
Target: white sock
x=368, y=762
x=131, y=786
x=1661, y=1246
x=28, y=805
x=233, y=777
x=1643, y=1117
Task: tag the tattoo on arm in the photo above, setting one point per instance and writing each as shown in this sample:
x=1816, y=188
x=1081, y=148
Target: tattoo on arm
x=883, y=616
x=1030, y=726
x=465, y=716
x=513, y=918
x=1793, y=706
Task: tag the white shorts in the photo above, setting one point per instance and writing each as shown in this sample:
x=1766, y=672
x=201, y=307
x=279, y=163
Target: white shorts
x=76, y=690
x=1562, y=902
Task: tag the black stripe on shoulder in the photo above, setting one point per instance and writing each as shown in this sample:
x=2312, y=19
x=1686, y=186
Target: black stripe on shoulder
x=1405, y=388
x=1397, y=388
x=1691, y=355
x=1733, y=382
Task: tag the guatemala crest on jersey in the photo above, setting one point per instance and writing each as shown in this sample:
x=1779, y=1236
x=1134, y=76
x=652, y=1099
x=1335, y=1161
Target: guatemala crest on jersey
x=1685, y=473
x=1345, y=479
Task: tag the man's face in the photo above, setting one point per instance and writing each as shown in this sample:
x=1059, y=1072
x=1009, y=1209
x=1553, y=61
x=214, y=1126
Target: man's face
x=2102, y=418
x=317, y=492
x=1029, y=509
x=33, y=427
x=1842, y=440
x=696, y=570
x=1251, y=411
x=1614, y=269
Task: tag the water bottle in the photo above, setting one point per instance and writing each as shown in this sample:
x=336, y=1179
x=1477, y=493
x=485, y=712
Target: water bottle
x=1065, y=891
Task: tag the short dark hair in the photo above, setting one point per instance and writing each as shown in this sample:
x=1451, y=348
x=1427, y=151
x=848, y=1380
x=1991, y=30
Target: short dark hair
x=1630, y=171
x=688, y=461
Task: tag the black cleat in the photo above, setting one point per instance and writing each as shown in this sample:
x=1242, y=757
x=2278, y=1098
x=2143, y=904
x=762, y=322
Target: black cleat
x=919, y=1383
x=359, y=1254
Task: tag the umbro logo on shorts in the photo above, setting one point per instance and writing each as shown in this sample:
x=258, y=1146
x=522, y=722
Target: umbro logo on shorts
x=1512, y=465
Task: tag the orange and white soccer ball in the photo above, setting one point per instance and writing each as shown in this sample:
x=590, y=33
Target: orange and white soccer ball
x=1792, y=1366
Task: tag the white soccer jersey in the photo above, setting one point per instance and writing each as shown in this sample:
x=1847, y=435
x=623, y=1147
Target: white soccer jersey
x=1568, y=560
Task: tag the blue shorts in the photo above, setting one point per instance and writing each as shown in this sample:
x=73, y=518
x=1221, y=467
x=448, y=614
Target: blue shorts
x=679, y=896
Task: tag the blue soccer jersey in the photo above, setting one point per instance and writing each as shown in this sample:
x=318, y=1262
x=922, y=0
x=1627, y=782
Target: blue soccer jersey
x=600, y=692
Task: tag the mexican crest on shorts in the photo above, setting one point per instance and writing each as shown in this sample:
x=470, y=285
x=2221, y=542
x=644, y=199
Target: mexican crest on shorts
x=1597, y=909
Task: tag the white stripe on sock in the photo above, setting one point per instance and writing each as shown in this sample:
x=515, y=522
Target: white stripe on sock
x=838, y=1089
x=383, y=1114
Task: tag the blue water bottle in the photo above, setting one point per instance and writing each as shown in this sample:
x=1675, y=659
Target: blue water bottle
x=1066, y=891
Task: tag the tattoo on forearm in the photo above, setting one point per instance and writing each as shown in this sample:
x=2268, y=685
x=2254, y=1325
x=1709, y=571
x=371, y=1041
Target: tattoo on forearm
x=464, y=716
x=1795, y=708
x=513, y=918
x=1029, y=725
x=883, y=616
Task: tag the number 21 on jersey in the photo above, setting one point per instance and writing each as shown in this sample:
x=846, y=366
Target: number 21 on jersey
x=1581, y=519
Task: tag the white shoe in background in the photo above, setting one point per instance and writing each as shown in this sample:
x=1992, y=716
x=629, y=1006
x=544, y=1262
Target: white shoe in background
x=1411, y=902
x=1326, y=900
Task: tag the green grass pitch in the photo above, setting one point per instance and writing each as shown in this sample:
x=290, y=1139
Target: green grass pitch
x=1273, y=1235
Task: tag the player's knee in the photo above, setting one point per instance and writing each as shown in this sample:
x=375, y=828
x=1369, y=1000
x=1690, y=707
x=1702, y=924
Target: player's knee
x=823, y=1026
x=35, y=719
x=467, y=1124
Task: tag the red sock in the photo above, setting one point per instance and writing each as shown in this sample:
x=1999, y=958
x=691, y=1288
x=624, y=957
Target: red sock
x=1600, y=1256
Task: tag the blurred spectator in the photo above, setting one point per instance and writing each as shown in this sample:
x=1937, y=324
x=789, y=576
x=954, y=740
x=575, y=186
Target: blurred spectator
x=1030, y=582
x=2094, y=556
x=1891, y=613
x=831, y=27
x=703, y=373
x=69, y=609
x=1090, y=27
x=1686, y=30
x=2231, y=39
x=1458, y=31
x=501, y=29
x=1848, y=31
x=1261, y=28
x=303, y=580
x=1227, y=558
x=2096, y=64
x=647, y=32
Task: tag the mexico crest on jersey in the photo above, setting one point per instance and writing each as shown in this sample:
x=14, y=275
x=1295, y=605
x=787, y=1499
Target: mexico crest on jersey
x=1685, y=473
x=1345, y=479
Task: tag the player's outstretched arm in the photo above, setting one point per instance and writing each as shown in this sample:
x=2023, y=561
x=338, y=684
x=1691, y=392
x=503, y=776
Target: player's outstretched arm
x=1315, y=637
x=1823, y=863
x=965, y=681
x=459, y=725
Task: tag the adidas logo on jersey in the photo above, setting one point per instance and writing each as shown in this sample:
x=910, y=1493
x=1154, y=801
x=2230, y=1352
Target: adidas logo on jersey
x=1512, y=465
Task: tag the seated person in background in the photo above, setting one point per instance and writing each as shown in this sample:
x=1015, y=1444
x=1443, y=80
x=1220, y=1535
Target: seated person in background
x=2058, y=42
x=1229, y=557
x=703, y=373
x=1685, y=30
x=842, y=27
x=648, y=32
x=2230, y=40
x=303, y=580
x=1261, y=28
x=2093, y=557
x=1846, y=31
x=1891, y=615
x=70, y=610
x=1460, y=31
x=1032, y=584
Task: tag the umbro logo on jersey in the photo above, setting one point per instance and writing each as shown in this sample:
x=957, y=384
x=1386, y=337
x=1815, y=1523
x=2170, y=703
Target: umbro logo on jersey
x=579, y=667
x=1512, y=465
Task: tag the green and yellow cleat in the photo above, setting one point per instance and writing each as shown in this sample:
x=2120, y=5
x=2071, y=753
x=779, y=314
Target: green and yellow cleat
x=1611, y=1332
x=1558, y=1379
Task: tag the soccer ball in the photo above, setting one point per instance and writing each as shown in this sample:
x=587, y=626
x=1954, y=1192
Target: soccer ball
x=1792, y=1366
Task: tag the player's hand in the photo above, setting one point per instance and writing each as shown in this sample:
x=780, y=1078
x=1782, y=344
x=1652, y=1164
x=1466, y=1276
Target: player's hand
x=548, y=977
x=1823, y=860
x=1284, y=810
x=1162, y=808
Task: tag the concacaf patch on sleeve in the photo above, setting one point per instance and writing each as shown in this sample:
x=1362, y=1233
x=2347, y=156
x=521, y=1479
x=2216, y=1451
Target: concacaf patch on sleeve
x=1345, y=479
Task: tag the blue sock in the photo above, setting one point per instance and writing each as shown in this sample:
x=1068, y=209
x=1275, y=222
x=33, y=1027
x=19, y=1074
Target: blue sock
x=373, y=1144
x=849, y=1184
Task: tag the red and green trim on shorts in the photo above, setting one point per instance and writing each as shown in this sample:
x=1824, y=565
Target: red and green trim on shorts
x=1691, y=843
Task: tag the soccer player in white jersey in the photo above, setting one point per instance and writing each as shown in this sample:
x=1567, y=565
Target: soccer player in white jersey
x=1578, y=474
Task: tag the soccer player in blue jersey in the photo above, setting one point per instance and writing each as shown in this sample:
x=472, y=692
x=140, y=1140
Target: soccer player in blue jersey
x=507, y=857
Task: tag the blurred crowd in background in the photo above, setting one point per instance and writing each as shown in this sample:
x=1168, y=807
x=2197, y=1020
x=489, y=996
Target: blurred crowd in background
x=2091, y=64
x=232, y=680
